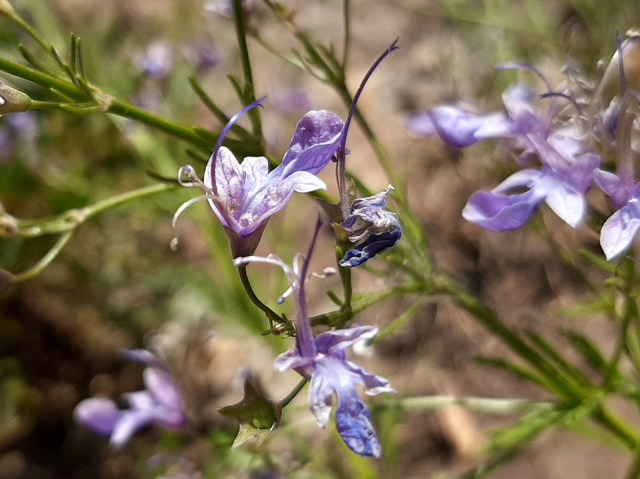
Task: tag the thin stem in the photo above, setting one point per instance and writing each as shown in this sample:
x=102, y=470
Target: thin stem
x=272, y=316
x=245, y=59
x=291, y=396
x=478, y=404
x=44, y=261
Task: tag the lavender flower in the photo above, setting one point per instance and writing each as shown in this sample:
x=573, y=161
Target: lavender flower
x=160, y=403
x=565, y=164
x=244, y=195
x=323, y=361
x=156, y=61
x=620, y=229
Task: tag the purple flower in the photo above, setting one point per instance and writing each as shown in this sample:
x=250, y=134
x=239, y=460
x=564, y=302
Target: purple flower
x=323, y=361
x=566, y=166
x=620, y=229
x=244, y=195
x=369, y=228
x=160, y=403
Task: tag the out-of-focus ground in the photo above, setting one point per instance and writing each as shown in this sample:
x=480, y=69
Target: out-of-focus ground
x=61, y=332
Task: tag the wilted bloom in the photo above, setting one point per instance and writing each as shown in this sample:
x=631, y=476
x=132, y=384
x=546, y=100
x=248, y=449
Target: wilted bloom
x=244, y=195
x=160, y=403
x=323, y=361
x=369, y=229
x=363, y=227
x=563, y=177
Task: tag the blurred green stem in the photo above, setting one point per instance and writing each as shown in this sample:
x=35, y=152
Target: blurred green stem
x=479, y=404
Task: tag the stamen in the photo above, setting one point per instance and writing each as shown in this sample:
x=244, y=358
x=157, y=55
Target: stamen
x=175, y=242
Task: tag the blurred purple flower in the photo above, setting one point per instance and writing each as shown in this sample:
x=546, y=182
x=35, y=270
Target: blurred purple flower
x=244, y=195
x=156, y=61
x=323, y=361
x=370, y=229
x=160, y=403
x=566, y=165
x=18, y=134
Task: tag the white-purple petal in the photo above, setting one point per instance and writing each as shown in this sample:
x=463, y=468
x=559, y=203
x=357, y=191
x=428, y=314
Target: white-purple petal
x=453, y=125
x=330, y=342
x=619, y=231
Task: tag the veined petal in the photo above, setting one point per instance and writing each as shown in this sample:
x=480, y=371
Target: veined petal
x=619, y=231
x=305, y=182
x=315, y=141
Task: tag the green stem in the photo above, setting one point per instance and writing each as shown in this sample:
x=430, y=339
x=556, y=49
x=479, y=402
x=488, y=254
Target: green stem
x=245, y=59
x=478, y=404
x=291, y=396
x=44, y=261
x=272, y=316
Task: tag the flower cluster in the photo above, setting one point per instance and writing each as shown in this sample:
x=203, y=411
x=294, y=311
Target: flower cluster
x=322, y=360
x=558, y=148
x=243, y=196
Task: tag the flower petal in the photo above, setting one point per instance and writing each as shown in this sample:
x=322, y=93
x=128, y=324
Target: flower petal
x=500, y=212
x=315, y=141
x=168, y=405
x=353, y=421
x=619, y=230
x=130, y=422
x=99, y=414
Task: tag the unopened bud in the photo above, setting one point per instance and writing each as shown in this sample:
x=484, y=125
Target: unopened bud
x=12, y=100
x=6, y=9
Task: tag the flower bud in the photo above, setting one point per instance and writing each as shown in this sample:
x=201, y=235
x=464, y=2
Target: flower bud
x=6, y=9
x=12, y=100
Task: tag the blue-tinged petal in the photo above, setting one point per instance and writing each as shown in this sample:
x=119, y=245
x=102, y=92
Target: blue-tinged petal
x=500, y=212
x=353, y=421
x=99, y=414
x=619, y=231
x=315, y=141
x=374, y=245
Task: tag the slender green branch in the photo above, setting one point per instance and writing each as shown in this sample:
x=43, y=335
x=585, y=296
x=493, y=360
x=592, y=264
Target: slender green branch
x=478, y=404
x=291, y=396
x=271, y=315
x=44, y=261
